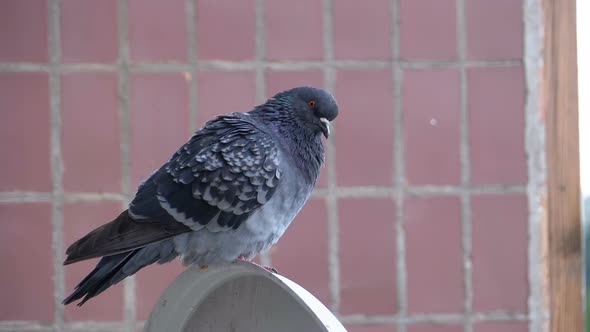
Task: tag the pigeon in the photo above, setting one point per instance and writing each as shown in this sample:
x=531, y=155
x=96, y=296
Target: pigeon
x=228, y=194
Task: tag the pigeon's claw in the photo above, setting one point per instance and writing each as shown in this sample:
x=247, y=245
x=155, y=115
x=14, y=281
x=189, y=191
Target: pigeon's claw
x=268, y=268
x=271, y=269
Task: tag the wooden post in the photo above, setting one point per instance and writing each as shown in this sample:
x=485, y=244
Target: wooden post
x=560, y=100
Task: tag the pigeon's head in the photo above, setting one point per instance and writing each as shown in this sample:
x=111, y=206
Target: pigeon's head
x=314, y=108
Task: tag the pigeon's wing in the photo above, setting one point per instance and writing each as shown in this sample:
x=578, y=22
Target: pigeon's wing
x=224, y=173
x=220, y=177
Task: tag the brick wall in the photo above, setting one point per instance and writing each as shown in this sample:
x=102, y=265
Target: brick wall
x=420, y=221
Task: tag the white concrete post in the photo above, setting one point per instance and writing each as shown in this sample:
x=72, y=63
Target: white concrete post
x=239, y=297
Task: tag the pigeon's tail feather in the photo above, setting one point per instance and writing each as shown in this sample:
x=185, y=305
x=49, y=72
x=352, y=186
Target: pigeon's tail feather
x=112, y=269
x=100, y=278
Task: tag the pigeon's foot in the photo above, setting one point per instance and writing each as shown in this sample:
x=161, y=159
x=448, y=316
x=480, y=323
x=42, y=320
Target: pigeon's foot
x=268, y=268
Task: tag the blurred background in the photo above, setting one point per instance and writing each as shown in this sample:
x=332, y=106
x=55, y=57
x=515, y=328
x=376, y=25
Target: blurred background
x=421, y=221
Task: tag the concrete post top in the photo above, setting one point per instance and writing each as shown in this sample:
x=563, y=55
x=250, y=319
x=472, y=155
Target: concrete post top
x=239, y=297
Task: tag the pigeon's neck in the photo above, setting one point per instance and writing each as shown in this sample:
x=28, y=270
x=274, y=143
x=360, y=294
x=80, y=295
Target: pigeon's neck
x=302, y=144
x=307, y=150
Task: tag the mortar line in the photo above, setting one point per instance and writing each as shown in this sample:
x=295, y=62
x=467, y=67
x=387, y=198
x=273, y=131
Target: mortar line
x=437, y=319
x=56, y=160
x=94, y=197
x=36, y=197
x=465, y=166
x=220, y=65
x=260, y=44
x=536, y=167
x=399, y=184
x=355, y=191
x=190, y=6
x=258, y=67
x=22, y=197
x=129, y=298
x=330, y=197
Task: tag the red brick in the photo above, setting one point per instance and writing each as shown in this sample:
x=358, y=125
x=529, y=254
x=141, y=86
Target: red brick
x=226, y=29
x=371, y=328
x=79, y=219
x=157, y=30
x=434, y=254
x=288, y=36
x=89, y=31
x=432, y=128
x=306, y=264
x=428, y=29
x=500, y=271
x=27, y=289
x=224, y=92
x=277, y=81
x=151, y=282
x=23, y=31
x=367, y=256
x=494, y=29
x=501, y=326
x=91, y=143
x=496, y=125
x=25, y=132
x=159, y=121
x=362, y=32
x=434, y=328
x=364, y=128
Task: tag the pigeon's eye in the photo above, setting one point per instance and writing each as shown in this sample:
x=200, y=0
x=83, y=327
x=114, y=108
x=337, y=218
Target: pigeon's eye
x=311, y=103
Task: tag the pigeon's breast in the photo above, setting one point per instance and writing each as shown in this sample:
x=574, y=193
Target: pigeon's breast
x=272, y=219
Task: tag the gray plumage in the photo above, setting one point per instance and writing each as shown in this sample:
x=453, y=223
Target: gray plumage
x=230, y=192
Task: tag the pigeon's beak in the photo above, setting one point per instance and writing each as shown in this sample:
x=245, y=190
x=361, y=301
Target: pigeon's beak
x=325, y=126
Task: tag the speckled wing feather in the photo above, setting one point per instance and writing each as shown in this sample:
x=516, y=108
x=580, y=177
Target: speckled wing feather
x=218, y=179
